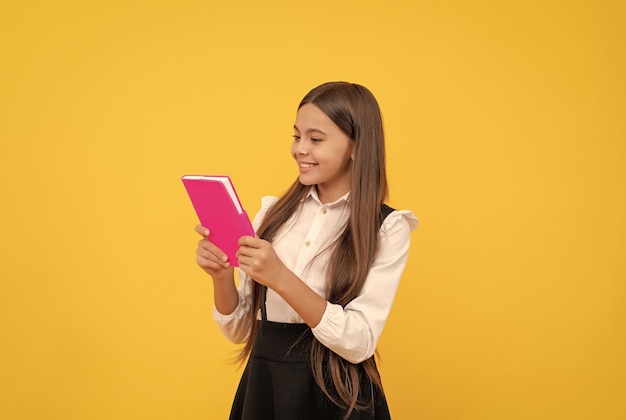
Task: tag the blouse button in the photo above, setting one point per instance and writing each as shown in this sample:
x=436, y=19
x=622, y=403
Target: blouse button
x=307, y=243
x=293, y=320
x=324, y=211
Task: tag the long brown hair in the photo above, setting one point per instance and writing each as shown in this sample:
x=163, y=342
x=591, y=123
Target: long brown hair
x=355, y=111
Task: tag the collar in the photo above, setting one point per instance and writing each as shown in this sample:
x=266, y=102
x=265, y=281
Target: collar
x=314, y=196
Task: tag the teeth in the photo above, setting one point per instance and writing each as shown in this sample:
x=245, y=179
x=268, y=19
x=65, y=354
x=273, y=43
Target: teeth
x=306, y=165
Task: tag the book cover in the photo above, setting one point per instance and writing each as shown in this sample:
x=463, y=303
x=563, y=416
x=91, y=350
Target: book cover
x=218, y=208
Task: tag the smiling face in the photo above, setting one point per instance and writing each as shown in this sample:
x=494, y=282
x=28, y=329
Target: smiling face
x=323, y=153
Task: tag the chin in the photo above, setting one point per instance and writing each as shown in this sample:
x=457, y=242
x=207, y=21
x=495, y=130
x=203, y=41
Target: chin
x=305, y=181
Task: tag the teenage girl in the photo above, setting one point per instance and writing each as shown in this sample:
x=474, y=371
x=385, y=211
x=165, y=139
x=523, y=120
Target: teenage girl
x=318, y=280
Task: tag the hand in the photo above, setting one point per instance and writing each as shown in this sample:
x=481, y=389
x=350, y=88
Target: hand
x=258, y=259
x=210, y=258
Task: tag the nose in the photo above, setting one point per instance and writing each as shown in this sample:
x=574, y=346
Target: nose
x=300, y=148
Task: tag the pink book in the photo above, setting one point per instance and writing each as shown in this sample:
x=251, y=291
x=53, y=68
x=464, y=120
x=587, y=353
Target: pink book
x=218, y=207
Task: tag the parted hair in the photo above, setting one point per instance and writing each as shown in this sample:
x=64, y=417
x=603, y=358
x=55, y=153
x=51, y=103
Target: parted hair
x=354, y=109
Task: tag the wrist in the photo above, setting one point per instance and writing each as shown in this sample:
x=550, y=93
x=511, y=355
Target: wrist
x=224, y=277
x=284, y=281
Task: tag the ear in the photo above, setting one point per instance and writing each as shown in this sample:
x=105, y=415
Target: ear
x=353, y=151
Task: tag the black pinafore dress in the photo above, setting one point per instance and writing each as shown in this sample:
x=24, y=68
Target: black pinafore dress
x=278, y=383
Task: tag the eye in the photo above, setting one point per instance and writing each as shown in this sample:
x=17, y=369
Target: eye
x=315, y=139
x=296, y=137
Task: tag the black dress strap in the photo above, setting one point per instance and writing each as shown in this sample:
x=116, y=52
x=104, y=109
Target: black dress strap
x=263, y=308
x=385, y=211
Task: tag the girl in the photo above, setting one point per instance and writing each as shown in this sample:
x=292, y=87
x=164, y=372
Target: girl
x=317, y=282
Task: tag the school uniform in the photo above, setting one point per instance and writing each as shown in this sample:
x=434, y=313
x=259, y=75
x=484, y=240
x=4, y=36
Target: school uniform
x=277, y=382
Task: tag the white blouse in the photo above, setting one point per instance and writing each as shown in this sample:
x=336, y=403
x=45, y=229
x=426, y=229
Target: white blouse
x=351, y=331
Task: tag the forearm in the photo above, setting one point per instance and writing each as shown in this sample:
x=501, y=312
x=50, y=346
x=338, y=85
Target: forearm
x=225, y=293
x=304, y=300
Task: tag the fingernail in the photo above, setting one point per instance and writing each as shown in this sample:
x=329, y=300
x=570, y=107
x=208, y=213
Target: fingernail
x=224, y=258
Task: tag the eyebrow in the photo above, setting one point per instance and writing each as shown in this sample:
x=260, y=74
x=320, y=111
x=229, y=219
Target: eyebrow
x=311, y=130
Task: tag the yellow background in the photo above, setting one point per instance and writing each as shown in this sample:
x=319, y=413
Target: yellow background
x=506, y=136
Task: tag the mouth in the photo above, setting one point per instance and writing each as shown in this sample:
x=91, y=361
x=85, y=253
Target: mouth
x=305, y=165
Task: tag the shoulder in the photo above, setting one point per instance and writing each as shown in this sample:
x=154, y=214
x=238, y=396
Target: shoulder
x=396, y=220
x=395, y=238
x=266, y=203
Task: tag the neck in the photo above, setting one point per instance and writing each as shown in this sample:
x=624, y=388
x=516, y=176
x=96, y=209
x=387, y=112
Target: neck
x=328, y=196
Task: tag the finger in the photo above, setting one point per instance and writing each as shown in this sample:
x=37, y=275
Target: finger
x=210, y=246
x=250, y=241
x=244, y=265
x=247, y=251
x=208, y=250
x=209, y=264
x=241, y=254
x=202, y=230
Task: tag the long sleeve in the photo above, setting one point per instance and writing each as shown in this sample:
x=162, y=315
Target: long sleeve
x=353, y=332
x=236, y=325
